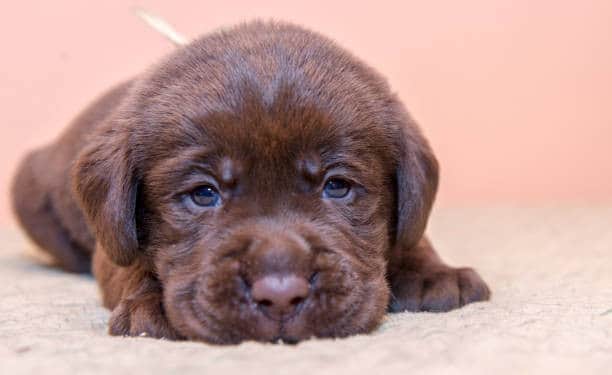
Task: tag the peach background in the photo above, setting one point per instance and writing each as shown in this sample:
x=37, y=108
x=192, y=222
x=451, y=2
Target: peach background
x=515, y=95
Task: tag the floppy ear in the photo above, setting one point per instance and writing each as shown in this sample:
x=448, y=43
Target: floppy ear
x=105, y=185
x=417, y=184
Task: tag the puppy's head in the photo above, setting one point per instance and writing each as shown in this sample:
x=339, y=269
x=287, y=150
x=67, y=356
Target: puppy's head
x=264, y=175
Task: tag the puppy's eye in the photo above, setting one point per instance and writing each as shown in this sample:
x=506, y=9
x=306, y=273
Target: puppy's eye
x=336, y=188
x=205, y=196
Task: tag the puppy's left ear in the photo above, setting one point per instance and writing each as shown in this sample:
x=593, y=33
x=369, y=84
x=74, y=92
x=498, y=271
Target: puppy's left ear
x=416, y=183
x=105, y=183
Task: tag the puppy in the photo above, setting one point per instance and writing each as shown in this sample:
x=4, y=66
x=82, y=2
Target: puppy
x=260, y=183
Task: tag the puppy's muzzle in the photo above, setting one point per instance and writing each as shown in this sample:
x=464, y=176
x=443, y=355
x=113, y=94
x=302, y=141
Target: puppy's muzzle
x=279, y=275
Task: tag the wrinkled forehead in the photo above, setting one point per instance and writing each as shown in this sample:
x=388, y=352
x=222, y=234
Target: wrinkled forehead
x=272, y=136
x=281, y=136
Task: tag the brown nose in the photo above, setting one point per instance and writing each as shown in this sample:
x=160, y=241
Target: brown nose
x=279, y=296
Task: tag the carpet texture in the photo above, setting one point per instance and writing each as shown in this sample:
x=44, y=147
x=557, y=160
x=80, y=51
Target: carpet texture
x=550, y=270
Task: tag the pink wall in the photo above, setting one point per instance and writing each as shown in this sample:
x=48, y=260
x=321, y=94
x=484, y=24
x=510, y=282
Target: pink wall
x=515, y=95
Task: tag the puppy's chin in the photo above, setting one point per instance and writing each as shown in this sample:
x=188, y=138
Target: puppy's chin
x=216, y=305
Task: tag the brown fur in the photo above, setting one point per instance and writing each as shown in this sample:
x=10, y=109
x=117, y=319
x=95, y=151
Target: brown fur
x=266, y=112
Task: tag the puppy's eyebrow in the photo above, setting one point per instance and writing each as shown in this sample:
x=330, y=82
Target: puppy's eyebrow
x=348, y=165
x=228, y=171
x=184, y=162
x=310, y=167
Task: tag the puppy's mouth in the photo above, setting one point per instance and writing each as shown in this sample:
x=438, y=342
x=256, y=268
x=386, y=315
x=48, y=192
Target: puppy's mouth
x=282, y=339
x=282, y=336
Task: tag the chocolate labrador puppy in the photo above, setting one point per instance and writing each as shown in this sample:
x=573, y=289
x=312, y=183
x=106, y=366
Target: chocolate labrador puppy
x=260, y=183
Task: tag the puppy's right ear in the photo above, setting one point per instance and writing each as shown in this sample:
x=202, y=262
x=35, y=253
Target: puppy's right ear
x=105, y=184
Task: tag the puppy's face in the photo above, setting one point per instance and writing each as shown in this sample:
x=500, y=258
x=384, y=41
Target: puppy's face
x=270, y=224
x=265, y=189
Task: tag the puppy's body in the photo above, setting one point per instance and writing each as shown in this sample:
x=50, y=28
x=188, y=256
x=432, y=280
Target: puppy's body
x=260, y=183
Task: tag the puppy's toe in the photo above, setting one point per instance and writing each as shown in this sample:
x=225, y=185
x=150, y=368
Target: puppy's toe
x=143, y=318
x=471, y=286
x=440, y=292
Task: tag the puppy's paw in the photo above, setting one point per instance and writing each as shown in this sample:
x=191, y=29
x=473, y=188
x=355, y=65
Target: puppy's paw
x=437, y=290
x=141, y=317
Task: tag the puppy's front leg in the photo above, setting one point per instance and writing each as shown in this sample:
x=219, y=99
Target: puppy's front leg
x=135, y=297
x=420, y=281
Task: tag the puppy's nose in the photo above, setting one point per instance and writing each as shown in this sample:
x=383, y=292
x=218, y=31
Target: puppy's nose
x=279, y=296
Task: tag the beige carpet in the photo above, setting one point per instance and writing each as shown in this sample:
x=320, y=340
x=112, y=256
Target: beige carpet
x=550, y=271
